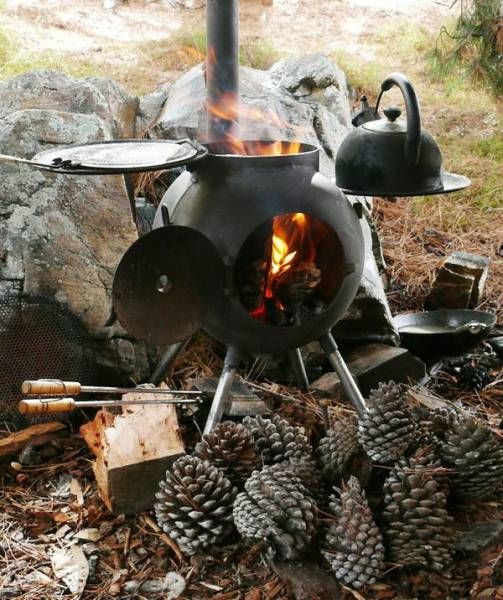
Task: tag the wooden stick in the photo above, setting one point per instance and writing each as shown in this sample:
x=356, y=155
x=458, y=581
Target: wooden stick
x=36, y=434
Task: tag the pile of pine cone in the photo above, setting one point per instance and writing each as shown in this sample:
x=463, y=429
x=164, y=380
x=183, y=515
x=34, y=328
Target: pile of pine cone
x=263, y=478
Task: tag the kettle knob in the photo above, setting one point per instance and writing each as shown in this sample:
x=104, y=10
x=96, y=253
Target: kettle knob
x=392, y=113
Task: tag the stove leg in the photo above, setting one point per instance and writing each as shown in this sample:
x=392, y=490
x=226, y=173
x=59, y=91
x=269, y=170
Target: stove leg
x=299, y=369
x=339, y=366
x=167, y=359
x=231, y=363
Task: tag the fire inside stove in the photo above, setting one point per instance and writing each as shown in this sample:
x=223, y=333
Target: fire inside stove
x=287, y=269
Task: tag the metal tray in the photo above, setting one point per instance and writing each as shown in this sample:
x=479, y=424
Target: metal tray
x=119, y=156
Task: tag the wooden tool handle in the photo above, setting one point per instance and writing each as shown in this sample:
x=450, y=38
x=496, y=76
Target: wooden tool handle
x=50, y=387
x=50, y=405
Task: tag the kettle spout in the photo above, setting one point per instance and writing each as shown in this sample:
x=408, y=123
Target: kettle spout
x=365, y=114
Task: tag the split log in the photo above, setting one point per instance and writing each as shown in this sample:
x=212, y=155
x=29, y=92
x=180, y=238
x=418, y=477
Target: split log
x=133, y=451
x=36, y=435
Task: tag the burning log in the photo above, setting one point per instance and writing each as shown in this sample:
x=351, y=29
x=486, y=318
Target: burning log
x=295, y=286
x=291, y=290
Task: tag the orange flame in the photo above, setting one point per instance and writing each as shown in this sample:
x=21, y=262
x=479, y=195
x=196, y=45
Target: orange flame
x=230, y=108
x=290, y=245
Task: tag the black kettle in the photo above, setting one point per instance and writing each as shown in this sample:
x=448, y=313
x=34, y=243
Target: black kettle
x=386, y=157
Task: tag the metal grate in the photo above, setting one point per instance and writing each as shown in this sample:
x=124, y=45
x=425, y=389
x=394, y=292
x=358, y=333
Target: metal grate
x=39, y=338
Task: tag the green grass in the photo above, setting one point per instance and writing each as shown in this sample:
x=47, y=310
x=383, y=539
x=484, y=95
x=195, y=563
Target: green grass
x=259, y=54
x=15, y=64
x=14, y=61
x=463, y=116
x=491, y=148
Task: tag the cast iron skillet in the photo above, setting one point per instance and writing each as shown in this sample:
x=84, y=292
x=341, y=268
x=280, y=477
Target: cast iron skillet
x=443, y=332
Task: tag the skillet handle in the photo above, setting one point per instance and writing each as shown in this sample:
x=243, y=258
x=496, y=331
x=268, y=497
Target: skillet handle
x=413, y=134
x=473, y=327
x=201, y=150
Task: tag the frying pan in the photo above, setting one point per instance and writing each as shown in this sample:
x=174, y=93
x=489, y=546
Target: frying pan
x=443, y=332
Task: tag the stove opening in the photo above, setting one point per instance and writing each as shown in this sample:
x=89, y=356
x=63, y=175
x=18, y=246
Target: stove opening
x=289, y=269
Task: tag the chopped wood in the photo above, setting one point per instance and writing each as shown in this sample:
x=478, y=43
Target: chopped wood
x=36, y=435
x=133, y=451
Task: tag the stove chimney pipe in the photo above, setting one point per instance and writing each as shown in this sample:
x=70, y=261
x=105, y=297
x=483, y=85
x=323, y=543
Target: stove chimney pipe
x=222, y=64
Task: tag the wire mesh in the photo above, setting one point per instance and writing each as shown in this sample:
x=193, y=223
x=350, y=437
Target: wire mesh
x=39, y=338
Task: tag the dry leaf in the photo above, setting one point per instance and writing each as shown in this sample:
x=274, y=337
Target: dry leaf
x=89, y=535
x=70, y=565
x=76, y=490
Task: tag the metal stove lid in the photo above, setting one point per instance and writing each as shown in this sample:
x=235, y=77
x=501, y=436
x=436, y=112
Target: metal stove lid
x=120, y=156
x=165, y=284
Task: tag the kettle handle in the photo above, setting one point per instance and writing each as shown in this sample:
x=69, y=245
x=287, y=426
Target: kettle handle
x=413, y=133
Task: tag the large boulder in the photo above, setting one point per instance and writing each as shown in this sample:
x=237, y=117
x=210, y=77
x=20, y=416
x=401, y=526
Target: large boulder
x=302, y=98
x=52, y=90
x=61, y=236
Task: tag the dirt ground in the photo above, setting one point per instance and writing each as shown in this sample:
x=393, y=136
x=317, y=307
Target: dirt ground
x=298, y=26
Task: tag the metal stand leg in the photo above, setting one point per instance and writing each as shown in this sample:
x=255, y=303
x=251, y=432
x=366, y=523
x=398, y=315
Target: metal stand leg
x=231, y=363
x=299, y=369
x=339, y=366
x=167, y=359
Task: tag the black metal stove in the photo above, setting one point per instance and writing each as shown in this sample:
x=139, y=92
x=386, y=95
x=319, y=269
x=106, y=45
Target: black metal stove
x=251, y=243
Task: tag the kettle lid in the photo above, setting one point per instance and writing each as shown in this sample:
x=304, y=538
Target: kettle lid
x=389, y=125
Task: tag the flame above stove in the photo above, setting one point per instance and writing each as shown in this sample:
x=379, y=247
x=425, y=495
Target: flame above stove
x=230, y=110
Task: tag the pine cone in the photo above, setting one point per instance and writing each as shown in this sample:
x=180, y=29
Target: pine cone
x=229, y=447
x=277, y=440
x=354, y=547
x=471, y=377
x=338, y=448
x=306, y=469
x=276, y=508
x=387, y=428
x=417, y=526
x=195, y=504
x=475, y=455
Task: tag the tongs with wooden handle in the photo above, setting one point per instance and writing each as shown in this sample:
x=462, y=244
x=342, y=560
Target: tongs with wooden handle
x=43, y=406
x=56, y=387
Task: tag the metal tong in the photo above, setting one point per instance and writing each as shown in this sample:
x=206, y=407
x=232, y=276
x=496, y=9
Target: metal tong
x=55, y=398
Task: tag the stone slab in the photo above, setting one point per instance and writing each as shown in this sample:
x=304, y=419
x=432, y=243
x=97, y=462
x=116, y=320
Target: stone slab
x=372, y=364
x=460, y=282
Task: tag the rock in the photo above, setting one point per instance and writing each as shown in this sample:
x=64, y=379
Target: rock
x=242, y=400
x=460, y=282
x=370, y=365
x=374, y=363
x=317, y=79
x=307, y=580
x=369, y=317
x=450, y=290
x=55, y=229
x=327, y=386
x=61, y=236
x=480, y=537
x=302, y=98
x=149, y=109
x=52, y=90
